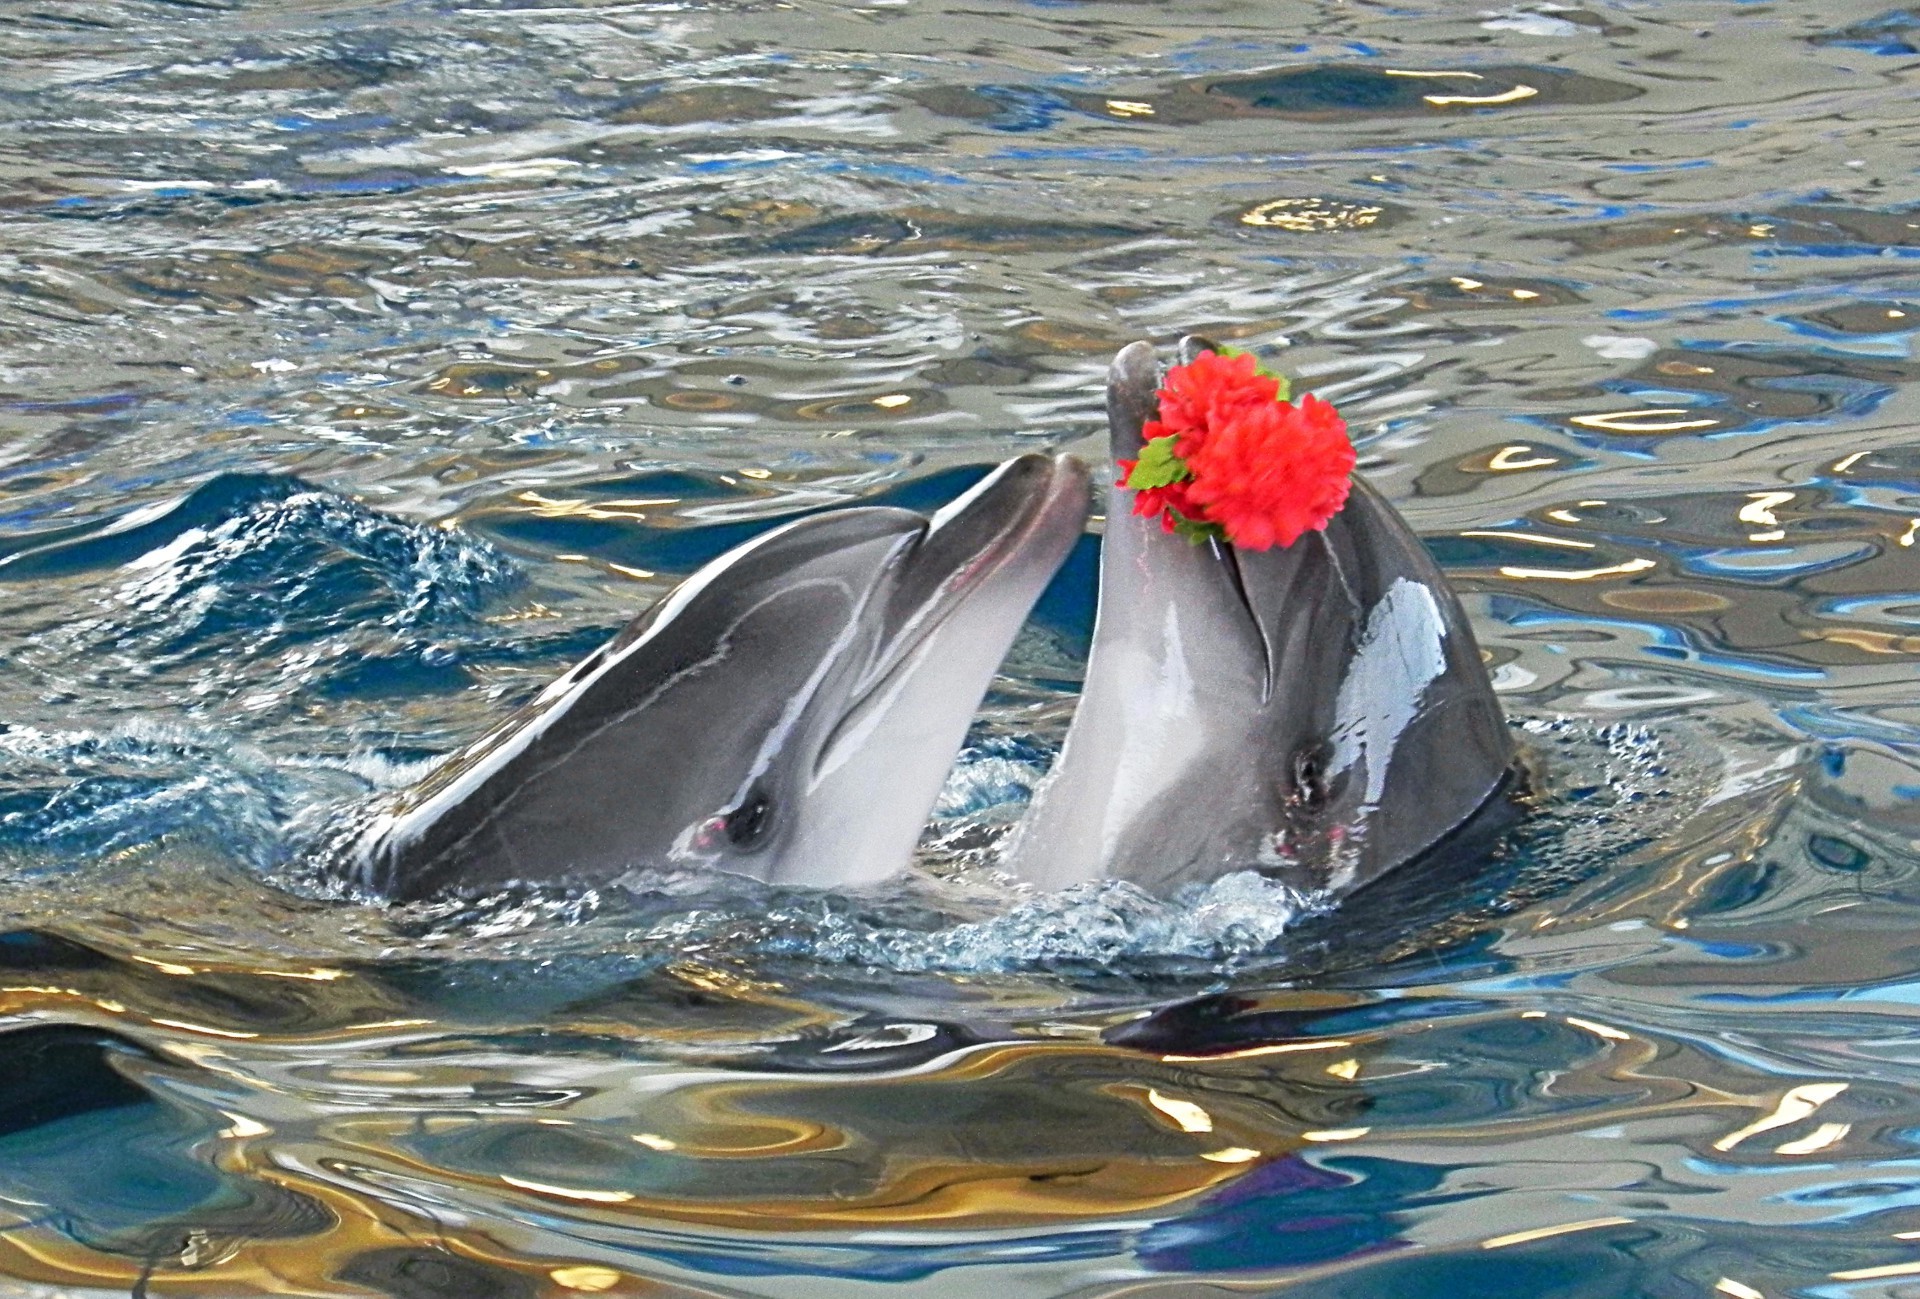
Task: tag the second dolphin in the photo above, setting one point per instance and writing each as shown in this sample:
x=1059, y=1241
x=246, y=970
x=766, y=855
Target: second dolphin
x=1319, y=713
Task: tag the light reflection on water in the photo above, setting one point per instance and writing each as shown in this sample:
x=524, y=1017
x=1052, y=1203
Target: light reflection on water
x=361, y=365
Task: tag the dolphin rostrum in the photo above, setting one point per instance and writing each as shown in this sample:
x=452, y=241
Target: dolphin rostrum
x=789, y=711
x=1319, y=713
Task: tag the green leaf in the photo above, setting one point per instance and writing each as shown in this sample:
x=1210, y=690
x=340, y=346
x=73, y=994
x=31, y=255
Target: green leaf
x=1196, y=532
x=1286, y=388
x=1158, y=466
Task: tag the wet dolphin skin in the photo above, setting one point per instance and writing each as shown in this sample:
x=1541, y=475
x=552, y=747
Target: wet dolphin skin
x=1318, y=712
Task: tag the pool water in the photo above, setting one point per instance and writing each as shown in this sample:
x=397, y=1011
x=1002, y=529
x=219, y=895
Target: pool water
x=363, y=364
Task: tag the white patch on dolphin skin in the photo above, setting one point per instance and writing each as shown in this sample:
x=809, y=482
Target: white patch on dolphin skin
x=1402, y=651
x=1160, y=738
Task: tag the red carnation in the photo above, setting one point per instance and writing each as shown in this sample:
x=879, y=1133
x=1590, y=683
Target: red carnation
x=1207, y=393
x=1229, y=459
x=1272, y=472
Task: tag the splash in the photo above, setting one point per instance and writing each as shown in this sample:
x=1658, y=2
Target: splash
x=249, y=598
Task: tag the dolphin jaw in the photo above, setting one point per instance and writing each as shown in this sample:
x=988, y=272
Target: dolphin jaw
x=1063, y=488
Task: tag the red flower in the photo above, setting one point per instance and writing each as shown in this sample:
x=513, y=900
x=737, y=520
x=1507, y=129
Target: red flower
x=1170, y=502
x=1240, y=462
x=1205, y=394
x=1272, y=472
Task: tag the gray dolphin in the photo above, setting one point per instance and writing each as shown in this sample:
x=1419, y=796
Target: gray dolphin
x=787, y=712
x=1319, y=713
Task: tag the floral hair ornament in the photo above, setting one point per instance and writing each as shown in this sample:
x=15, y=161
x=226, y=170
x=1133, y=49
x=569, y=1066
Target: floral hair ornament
x=1231, y=459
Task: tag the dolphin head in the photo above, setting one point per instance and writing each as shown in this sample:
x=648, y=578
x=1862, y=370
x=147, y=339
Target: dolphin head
x=787, y=712
x=1317, y=712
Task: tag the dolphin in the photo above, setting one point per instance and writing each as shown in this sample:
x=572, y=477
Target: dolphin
x=1318, y=713
x=788, y=712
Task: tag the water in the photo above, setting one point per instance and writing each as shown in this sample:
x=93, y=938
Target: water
x=363, y=364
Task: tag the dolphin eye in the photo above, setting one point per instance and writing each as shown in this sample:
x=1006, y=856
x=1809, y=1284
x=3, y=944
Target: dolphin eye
x=1310, y=776
x=747, y=824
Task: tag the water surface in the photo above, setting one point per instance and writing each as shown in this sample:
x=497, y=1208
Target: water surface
x=364, y=364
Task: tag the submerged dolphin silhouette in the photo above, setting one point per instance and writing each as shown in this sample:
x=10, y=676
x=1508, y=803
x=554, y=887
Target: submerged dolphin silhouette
x=789, y=711
x=1319, y=713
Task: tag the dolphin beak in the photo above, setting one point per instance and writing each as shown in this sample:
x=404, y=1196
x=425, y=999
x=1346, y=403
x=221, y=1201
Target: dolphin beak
x=1026, y=515
x=1133, y=397
x=959, y=598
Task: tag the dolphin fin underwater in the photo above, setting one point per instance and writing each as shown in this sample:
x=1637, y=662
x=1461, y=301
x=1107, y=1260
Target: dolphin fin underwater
x=1319, y=713
x=788, y=712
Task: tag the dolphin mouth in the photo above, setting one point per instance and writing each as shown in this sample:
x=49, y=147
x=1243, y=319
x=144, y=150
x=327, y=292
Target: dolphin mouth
x=1010, y=515
x=1133, y=397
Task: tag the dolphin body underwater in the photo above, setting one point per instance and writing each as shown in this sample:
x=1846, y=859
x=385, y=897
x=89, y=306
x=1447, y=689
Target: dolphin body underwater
x=1318, y=713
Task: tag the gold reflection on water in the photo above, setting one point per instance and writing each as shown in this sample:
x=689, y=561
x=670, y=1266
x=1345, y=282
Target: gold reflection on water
x=1657, y=420
x=1190, y=1117
x=1311, y=215
x=165, y=967
x=243, y=1128
x=567, y=1192
x=988, y=1173
x=1280, y=1048
x=1065, y=337
x=1545, y=1233
x=1013, y=1134
x=293, y=1265
x=588, y=1280
x=696, y=400
x=790, y=1153
x=1821, y=1138
x=547, y=507
x=207, y=1029
x=1232, y=1155
x=1504, y=97
x=1759, y=511
x=1868, y=639
x=1520, y=456
x=1798, y=1103
x=1568, y=516
x=1877, y=1273
x=1335, y=1134
x=1570, y=543
x=1579, y=574
x=1598, y=1029
x=1664, y=600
